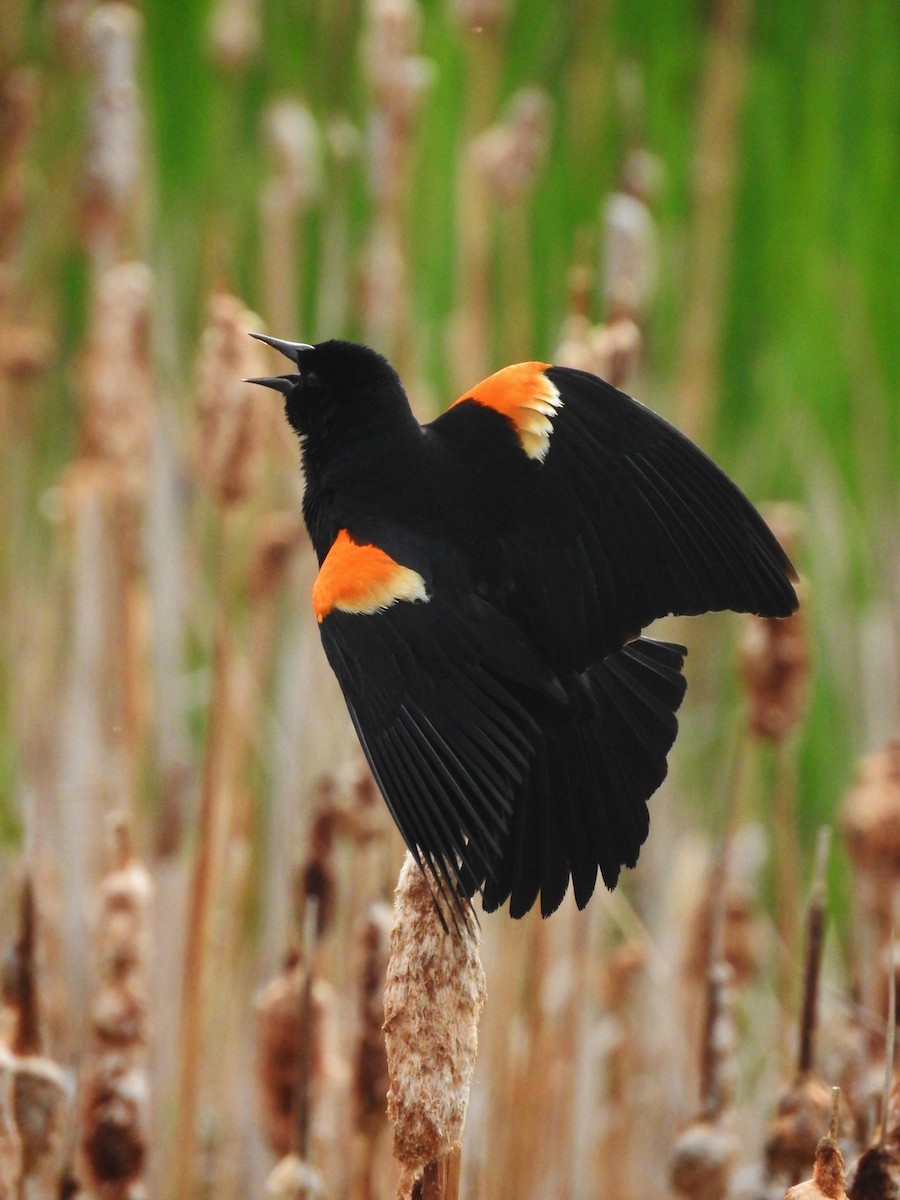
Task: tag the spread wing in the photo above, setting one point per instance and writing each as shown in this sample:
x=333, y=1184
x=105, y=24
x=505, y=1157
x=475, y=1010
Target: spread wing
x=434, y=685
x=623, y=519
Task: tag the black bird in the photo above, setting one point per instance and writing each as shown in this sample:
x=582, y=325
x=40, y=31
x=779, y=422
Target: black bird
x=484, y=580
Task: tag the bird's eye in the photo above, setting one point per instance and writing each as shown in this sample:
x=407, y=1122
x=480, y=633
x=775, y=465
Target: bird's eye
x=311, y=380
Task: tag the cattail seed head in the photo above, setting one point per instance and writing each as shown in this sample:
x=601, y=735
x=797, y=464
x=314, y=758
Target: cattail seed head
x=278, y=536
x=282, y=1039
x=25, y=352
x=774, y=651
x=802, y=1113
x=116, y=382
x=126, y=894
x=509, y=156
x=743, y=934
x=234, y=419
x=630, y=253
x=294, y=1179
x=876, y=1175
x=828, y=1182
x=115, y=1102
x=292, y=136
x=397, y=76
x=235, y=34
x=41, y=1100
x=871, y=816
x=115, y=1098
x=703, y=1159
x=433, y=997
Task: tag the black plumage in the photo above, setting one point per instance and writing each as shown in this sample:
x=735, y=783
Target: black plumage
x=484, y=581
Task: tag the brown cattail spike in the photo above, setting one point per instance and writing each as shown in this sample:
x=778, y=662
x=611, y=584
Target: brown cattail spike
x=20, y=978
x=234, y=418
x=115, y=1097
x=775, y=651
x=871, y=816
x=433, y=997
x=284, y=1040
x=828, y=1181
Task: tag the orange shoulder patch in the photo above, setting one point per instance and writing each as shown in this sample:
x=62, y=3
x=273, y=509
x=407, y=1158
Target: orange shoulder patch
x=527, y=398
x=362, y=579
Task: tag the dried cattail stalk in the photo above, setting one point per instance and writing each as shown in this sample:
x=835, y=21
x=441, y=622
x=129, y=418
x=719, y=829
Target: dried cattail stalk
x=114, y=1092
x=509, y=156
x=284, y=1040
x=117, y=388
x=718, y=1075
x=22, y=1026
x=398, y=78
x=19, y=100
x=235, y=34
x=113, y=163
x=292, y=138
x=234, y=419
x=815, y=934
x=775, y=653
x=705, y=1153
x=719, y=112
x=630, y=241
x=804, y=1108
x=316, y=881
x=433, y=997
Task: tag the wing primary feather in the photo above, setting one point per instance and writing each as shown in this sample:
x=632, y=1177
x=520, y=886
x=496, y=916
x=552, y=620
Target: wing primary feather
x=575, y=802
x=492, y=779
x=442, y=867
x=448, y=843
x=428, y=741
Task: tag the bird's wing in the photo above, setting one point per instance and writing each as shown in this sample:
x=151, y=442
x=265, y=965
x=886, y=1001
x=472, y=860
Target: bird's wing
x=621, y=518
x=433, y=682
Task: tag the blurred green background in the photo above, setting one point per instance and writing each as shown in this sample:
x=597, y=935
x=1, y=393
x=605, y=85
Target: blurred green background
x=799, y=129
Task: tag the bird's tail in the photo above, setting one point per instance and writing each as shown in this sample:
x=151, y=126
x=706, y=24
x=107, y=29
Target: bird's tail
x=602, y=757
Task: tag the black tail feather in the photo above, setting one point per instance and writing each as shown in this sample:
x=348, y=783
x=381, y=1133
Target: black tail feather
x=585, y=806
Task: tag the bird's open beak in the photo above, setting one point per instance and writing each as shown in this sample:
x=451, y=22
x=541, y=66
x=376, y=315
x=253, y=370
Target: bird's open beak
x=290, y=350
x=281, y=383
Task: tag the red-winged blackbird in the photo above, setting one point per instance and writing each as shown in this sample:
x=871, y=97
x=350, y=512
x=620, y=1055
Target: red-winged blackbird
x=483, y=583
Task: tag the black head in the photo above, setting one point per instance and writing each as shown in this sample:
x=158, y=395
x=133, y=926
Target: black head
x=338, y=386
